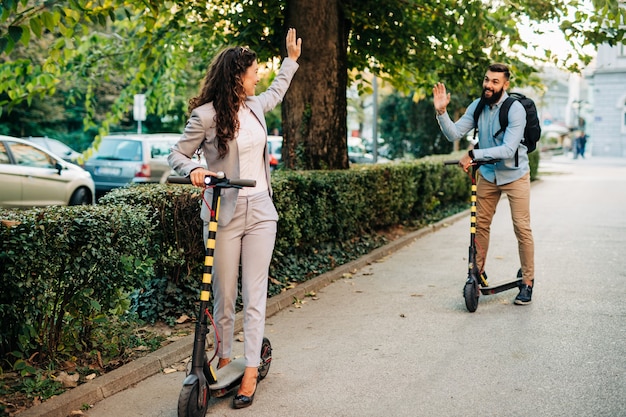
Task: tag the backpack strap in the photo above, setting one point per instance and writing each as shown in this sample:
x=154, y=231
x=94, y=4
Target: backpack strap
x=504, y=114
x=504, y=121
x=477, y=112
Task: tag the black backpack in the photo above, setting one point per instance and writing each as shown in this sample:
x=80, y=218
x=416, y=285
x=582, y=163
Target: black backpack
x=532, y=131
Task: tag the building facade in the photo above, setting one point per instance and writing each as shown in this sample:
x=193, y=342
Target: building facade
x=607, y=92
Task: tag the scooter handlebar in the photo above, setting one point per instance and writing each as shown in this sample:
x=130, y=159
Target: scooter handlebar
x=209, y=180
x=476, y=163
x=243, y=183
x=178, y=180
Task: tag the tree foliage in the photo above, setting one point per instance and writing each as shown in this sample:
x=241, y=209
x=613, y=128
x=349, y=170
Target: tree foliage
x=408, y=127
x=161, y=49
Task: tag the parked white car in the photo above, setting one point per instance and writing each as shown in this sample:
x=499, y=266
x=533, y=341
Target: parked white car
x=31, y=176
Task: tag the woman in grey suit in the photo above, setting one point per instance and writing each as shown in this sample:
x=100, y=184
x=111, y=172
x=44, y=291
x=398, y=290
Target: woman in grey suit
x=227, y=123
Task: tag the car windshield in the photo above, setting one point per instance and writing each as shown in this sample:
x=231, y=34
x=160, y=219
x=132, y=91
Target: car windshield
x=160, y=149
x=55, y=146
x=119, y=150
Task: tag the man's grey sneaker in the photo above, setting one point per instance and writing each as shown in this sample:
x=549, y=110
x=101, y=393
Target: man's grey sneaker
x=525, y=295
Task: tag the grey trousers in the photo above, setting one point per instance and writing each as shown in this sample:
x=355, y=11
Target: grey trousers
x=248, y=238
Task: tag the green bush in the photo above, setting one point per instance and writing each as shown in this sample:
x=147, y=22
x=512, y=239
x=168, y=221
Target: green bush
x=177, y=248
x=62, y=268
x=140, y=250
x=327, y=206
x=533, y=161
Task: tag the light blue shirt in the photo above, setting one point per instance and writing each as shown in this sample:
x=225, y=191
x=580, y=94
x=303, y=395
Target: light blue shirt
x=502, y=147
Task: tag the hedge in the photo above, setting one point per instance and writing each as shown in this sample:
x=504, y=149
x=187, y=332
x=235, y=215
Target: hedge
x=140, y=249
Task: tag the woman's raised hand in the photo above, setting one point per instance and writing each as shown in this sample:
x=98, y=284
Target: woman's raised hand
x=294, y=45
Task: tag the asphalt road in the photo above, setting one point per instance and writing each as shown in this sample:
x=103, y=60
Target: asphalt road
x=395, y=339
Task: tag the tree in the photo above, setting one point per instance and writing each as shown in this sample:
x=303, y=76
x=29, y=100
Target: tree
x=160, y=47
x=408, y=126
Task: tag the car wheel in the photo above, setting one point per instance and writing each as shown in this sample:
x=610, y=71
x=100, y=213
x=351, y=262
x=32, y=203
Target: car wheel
x=81, y=197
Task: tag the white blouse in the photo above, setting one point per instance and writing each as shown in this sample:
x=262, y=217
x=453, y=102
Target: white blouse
x=251, y=141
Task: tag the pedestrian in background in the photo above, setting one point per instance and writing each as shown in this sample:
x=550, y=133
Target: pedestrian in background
x=227, y=123
x=580, y=144
x=510, y=175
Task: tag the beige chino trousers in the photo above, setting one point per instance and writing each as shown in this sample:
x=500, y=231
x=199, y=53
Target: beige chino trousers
x=518, y=194
x=248, y=239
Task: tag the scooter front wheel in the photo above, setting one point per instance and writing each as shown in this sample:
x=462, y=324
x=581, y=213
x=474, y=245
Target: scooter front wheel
x=188, y=401
x=471, y=293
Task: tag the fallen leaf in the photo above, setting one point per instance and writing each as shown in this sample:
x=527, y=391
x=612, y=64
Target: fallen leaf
x=68, y=381
x=10, y=223
x=182, y=319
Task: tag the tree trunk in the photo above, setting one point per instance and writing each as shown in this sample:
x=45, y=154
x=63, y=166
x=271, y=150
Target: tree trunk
x=315, y=107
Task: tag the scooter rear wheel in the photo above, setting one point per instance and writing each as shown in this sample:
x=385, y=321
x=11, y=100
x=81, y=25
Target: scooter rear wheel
x=188, y=401
x=266, y=358
x=471, y=293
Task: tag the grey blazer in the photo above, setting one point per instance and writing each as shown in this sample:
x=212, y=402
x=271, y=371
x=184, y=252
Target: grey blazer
x=200, y=132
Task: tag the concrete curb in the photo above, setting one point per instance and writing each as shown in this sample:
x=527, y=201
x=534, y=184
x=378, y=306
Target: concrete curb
x=134, y=372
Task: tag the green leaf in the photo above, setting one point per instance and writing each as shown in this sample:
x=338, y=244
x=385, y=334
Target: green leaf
x=25, y=35
x=15, y=32
x=47, y=20
x=35, y=26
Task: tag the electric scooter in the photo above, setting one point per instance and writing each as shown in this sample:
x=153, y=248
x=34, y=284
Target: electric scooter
x=476, y=283
x=202, y=380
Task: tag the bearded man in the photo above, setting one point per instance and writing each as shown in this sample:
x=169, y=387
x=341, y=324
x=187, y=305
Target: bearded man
x=510, y=174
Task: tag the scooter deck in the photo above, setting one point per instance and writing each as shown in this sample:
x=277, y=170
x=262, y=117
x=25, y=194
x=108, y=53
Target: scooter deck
x=228, y=377
x=494, y=289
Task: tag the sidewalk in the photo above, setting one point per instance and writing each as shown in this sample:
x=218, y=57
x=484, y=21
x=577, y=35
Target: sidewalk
x=389, y=334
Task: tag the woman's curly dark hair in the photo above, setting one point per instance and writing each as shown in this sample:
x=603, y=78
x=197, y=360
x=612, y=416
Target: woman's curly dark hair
x=223, y=85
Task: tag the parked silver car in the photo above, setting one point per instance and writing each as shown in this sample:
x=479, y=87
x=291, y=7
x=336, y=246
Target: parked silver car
x=123, y=159
x=32, y=176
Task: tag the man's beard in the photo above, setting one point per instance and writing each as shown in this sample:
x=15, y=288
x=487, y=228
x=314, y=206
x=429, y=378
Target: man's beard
x=495, y=96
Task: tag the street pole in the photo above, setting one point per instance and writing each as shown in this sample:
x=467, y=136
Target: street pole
x=375, y=119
